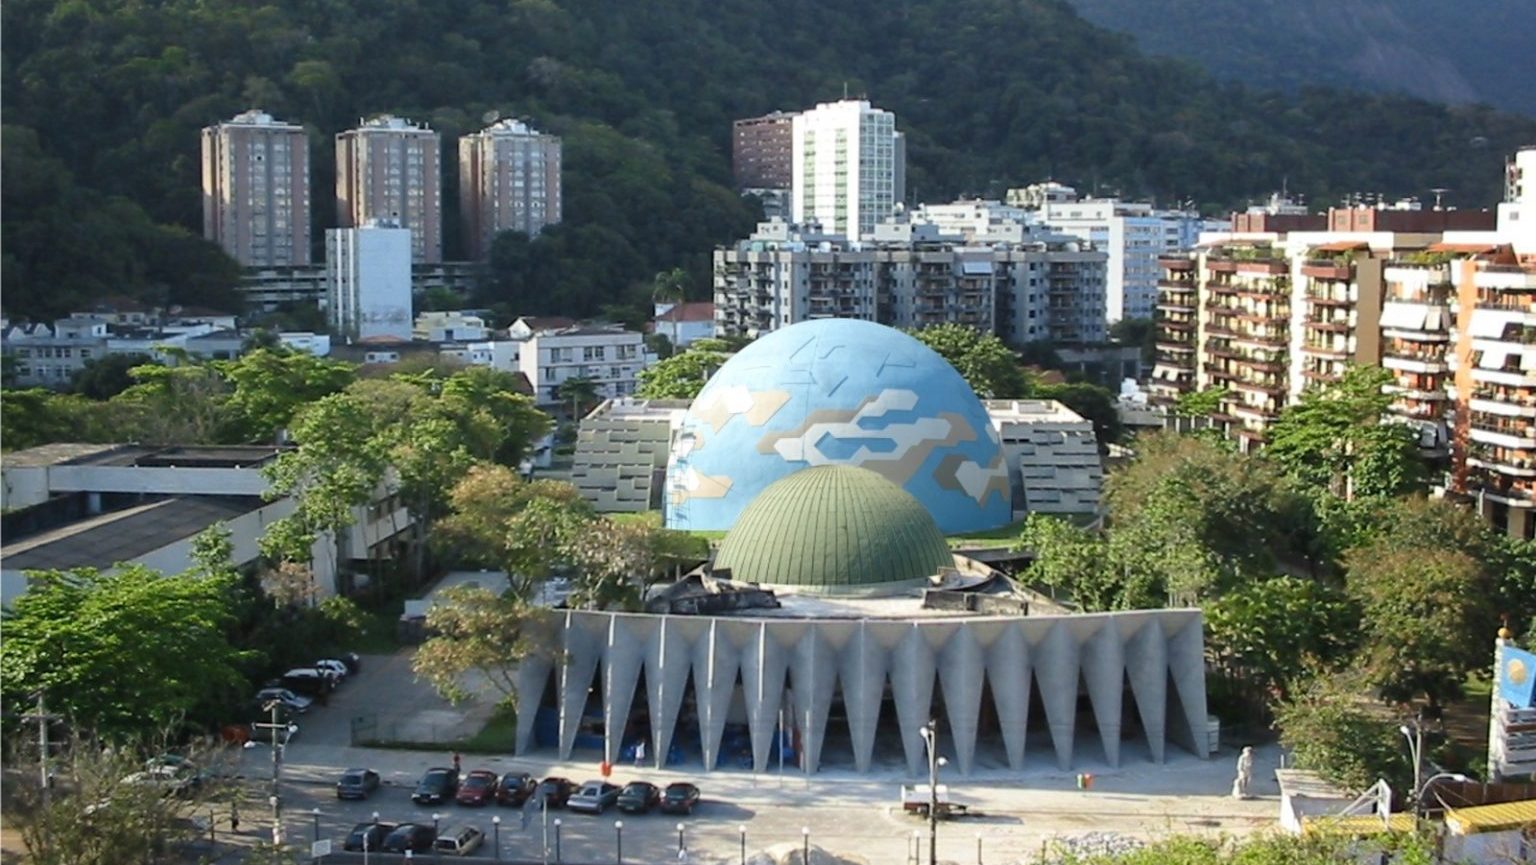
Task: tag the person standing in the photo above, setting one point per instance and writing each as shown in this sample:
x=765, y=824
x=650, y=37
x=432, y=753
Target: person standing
x=639, y=753
x=456, y=762
x=1244, y=778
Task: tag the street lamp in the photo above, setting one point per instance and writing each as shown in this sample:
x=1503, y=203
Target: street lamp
x=557, y=840
x=618, y=840
x=367, y=836
x=496, y=830
x=679, y=837
x=436, y=818
x=805, y=840
x=978, y=848
x=1415, y=739
x=930, y=735
x=316, y=813
x=743, y=830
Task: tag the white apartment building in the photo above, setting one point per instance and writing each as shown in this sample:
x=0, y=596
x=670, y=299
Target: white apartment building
x=684, y=323
x=509, y=180
x=609, y=356
x=49, y=355
x=368, y=282
x=1024, y=285
x=387, y=169
x=256, y=190
x=449, y=326
x=1134, y=235
x=848, y=167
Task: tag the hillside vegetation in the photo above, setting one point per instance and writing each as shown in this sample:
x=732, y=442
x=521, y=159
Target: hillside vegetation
x=103, y=100
x=1448, y=52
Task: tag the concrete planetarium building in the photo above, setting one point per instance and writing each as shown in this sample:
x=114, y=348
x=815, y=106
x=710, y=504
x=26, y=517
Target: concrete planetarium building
x=833, y=621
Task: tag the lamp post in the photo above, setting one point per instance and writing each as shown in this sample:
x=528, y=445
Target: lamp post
x=557, y=840
x=496, y=832
x=805, y=848
x=743, y=830
x=368, y=835
x=618, y=840
x=978, y=848
x=1415, y=739
x=315, y=812
x=930, y=735
x=679, y=837
x=436, y=818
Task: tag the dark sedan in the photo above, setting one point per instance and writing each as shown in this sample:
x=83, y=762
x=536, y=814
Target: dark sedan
x=368, y=836
x=410, y=836
x=515, y=788
x=479, y=788
x=679, y=798
x=357, y=784
x=638, y=797
x=437, y=786
x=555, y=792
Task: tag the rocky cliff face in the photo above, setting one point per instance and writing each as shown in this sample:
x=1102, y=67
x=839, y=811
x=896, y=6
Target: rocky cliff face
x=1445, y=52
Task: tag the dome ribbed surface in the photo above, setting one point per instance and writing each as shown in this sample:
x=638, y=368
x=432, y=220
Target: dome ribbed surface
x=834, y=530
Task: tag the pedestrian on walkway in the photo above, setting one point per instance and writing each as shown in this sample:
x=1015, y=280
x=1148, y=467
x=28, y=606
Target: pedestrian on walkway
x=639, y=753
x=455, y=762
x=234, y=818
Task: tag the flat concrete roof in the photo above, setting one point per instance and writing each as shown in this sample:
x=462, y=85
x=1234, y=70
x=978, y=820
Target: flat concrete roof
x=53, y=454
x=147, y=456
x=104, y=540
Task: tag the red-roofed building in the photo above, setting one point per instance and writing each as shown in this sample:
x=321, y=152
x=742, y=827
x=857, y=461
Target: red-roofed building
x=682, y=323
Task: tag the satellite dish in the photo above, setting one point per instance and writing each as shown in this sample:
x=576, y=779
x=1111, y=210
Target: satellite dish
x=490, y=117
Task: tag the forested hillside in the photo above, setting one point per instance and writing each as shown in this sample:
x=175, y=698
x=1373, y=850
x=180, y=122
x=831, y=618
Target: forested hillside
x=103, y=100
x=1448, y=52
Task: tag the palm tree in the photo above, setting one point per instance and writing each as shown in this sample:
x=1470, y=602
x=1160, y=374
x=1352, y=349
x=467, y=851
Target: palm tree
x=670, y=286
x=580, y=390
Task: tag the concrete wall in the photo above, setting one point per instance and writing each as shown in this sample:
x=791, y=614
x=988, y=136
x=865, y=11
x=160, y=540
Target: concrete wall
x=1159, y=652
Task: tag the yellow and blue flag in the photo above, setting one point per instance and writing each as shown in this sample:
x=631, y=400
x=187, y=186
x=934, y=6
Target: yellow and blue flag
x=1517, y=676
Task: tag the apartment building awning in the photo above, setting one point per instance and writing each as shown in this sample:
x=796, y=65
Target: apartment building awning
x=1490, y=323
x=1341, y=246
x=1404, y=316
x=1464, y=248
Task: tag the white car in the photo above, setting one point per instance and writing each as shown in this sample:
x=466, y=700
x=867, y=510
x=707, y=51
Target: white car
x=333, y=666
x=170, y=780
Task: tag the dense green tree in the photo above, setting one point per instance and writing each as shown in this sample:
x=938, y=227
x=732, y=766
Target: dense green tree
x=476, y=632
x=682, y=375
x=579, y=392
x=105, y=377
x=269, y=385
x=1425, y=618
x=122, y=652
x=1273, y=633
x=984, y=361
x=1329, y=726
x=1200, y=403
x=1336, y=439
x=36, y=416
x=525, y=528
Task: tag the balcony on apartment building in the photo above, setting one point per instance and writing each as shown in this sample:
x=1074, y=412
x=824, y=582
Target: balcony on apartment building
x=1499, y=363
x=1410, y=356
x=1176, y=264
x=1266, y=336
x=1322, y=371
x=1516, y=433
x=1506, y=277
x=1330, y=269
x=1503, y=400
x=1515, y=462
x=1263, y=289
x=1500, y=299
x=1262, y=360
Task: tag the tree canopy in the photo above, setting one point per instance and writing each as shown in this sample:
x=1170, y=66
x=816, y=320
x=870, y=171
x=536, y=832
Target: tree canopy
x=982, y=359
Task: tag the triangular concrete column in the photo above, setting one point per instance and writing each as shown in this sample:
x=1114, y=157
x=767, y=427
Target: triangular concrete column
x=815, y=673
x=1055, y=664
x=715, y=664
x=862, y=669
x=583, y=650
x=912, y=667
x=1146, y=665
x=1103, y=660
x=961, y=668
x=667, y=660
x=763, y=663
x=1008, y=672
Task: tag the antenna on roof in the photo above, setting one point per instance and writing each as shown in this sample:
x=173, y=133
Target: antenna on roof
x=845, y=88
x=1439, y=191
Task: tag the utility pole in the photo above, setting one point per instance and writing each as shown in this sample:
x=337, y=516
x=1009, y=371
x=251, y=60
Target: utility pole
x=42, y=718
x=277, y=758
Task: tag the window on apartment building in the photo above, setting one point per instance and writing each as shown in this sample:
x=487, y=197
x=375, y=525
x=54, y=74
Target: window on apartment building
x=615, y=372
x=593, y=352
x=549, y=373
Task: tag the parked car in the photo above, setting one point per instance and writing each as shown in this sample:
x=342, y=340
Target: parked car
x=371, y=835
x=479, y=788
x=679, y=798
x=179, y=780
x=437, y=786
x=291, y=701
x=459, y=841
x=308, y=680
x=357, y=784
x=594, y=797
x=409, y=836
x=334, y=666
x=515, y=788
x=555, y=792
x=638, y=797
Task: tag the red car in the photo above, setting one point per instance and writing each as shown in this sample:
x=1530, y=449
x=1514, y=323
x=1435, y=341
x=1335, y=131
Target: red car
x=479, y=788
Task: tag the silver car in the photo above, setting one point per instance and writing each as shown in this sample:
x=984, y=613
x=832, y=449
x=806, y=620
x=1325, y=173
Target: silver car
x=461, y=840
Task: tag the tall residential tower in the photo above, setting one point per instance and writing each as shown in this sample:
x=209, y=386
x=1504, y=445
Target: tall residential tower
x=256, y=190
x=387, y=170
x=509, y=180
x=848, y=167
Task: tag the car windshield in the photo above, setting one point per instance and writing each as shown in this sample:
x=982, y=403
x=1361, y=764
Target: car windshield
x=479, y=781
x=352, y=778
x=436, y=776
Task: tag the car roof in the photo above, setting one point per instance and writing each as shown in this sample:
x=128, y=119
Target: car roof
x=681, y=785
x=482, y=773
x=355, y=771
x=460, y=829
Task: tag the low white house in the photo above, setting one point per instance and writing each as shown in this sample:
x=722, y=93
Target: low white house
x=97, y=506
x=608, y=355
x=684, y=323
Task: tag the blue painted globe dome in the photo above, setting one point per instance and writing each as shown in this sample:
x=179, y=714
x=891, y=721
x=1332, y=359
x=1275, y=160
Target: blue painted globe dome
x=837, y=392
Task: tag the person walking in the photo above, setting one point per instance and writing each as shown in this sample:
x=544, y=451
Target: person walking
x=234, y=818
x=639, y=753
x=456, y=762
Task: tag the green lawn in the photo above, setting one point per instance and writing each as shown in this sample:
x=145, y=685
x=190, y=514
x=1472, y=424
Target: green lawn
x=496, y=737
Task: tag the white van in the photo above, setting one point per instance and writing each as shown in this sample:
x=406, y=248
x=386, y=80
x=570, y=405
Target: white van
x=459, y=840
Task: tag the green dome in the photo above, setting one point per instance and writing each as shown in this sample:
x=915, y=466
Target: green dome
x=836, y=530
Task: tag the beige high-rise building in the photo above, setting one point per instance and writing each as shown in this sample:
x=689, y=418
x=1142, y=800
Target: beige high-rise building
x=509, y=180
x=388, y=171
x=256, y=190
